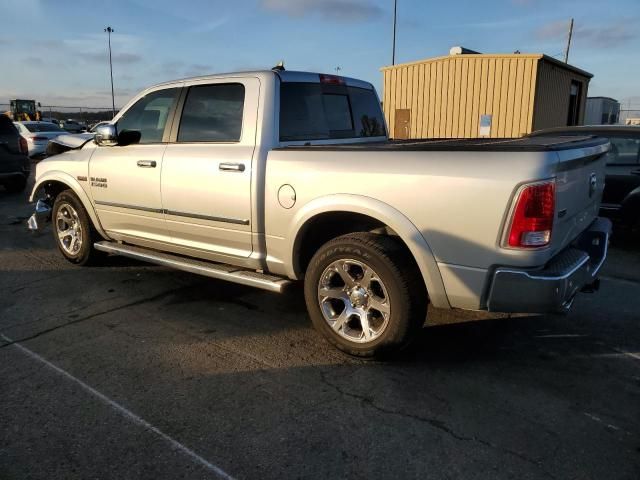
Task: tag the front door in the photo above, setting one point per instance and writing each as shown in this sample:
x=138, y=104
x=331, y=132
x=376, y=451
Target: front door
x=206, y=175
x=125, y=179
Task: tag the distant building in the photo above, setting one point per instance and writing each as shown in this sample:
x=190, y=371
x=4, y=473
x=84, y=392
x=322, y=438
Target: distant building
x=601, y=111
x=467, y=94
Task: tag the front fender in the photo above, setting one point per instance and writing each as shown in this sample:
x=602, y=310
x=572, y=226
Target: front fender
x=73, y=184
x=384, y=213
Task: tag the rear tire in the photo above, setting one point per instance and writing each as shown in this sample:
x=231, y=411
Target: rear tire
x=365, y=294
x=73, y=231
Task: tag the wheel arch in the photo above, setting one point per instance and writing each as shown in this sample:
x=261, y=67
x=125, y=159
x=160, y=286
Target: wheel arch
x=352, y=212
x=55, y=182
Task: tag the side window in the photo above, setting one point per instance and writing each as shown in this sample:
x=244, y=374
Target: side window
x=149, y=115
x=212, y=113
x=624, y=151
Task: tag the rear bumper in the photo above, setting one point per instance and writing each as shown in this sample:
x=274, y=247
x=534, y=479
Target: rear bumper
x=36, y=149
x=553, y=287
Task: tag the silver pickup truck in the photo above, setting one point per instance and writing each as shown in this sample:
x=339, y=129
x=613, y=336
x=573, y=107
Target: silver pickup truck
x=264, y=178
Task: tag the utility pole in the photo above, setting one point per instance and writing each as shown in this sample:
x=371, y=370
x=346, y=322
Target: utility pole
x=109, y=31
x=566, y=52
x=395, y=16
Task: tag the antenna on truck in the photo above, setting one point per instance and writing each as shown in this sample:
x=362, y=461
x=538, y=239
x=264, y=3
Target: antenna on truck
x=279, y=67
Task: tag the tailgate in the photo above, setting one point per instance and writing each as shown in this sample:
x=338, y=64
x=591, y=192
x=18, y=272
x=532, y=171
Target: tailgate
x=580, y=175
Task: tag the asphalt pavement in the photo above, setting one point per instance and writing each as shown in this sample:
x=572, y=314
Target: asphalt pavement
x=136, y=371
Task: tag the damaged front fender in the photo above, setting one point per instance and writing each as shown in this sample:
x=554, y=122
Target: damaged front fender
x=64, y=143
x=41, y=215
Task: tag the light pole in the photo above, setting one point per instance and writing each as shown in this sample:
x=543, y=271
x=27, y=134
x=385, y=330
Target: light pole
x=395, y=14
x=109, y=31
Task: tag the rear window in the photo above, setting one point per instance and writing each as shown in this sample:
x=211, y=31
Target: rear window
x=314, y=111
x=42, y=127
x=624, y=151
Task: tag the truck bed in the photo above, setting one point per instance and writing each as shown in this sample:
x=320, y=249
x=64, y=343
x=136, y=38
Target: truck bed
x=526, y=144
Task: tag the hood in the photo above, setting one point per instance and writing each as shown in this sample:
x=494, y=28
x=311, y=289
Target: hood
x=64, y=143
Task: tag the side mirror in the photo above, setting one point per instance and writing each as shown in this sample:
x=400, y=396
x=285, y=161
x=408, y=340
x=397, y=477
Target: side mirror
x=106, y=135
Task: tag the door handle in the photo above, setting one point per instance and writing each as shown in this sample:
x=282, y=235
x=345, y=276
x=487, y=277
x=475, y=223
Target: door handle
x=232, y=167
x=147, y=163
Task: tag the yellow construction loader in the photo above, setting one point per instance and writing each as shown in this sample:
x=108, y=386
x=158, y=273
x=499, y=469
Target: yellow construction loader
x=24, y=110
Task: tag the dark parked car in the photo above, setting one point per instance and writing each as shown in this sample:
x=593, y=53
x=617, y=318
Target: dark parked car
x=621, y=198
x=14, y=162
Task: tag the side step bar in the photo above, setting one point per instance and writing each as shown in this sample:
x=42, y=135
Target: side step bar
x=220, y=271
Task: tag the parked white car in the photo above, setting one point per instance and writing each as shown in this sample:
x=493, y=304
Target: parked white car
x=264, y=178
x=38, y=135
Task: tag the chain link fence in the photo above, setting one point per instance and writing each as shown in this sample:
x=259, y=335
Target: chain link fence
x=628, y=114
x=85, y=115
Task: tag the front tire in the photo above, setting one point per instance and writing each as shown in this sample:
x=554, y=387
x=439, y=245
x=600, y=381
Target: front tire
x=72, y=229
x=365, y=294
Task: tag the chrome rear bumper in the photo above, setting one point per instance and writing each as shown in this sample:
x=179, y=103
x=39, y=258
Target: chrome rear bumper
x=553, y=287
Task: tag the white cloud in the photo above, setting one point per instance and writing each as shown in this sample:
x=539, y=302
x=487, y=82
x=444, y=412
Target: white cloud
x=603, y=35
x=337, y=10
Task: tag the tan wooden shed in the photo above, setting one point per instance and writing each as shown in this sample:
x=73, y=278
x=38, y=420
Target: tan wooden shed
x=469, y=95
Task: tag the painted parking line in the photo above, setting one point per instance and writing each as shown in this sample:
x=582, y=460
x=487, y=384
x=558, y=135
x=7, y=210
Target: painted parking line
x=124, y=411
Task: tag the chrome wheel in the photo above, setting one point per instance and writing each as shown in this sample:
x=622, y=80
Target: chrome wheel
x=69, y=229
x=353, y=300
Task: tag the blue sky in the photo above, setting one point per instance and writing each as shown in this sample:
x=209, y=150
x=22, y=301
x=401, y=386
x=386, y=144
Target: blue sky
x=56, y=51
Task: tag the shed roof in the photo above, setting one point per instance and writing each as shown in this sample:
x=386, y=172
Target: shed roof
x=603, y=98
x=537, y=56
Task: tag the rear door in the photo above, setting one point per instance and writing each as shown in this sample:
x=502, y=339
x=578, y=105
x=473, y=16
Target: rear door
x=125, y=179
x=206, y=175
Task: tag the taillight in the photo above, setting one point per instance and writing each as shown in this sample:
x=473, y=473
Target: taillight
x=532, y=217
x=24, y=148
x=39, y=139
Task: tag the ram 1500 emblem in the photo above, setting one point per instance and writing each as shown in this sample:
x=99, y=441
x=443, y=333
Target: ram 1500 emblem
x=99, y=182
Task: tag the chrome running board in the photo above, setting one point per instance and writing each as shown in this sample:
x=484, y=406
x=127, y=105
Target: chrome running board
x=220, y=271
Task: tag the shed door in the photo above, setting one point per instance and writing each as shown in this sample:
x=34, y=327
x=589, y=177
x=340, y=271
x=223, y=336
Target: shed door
x=575, y=97
x=402, y=126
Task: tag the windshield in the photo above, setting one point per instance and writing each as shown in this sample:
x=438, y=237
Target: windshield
x=26, y=106
x=42, y=127
x=314, y=111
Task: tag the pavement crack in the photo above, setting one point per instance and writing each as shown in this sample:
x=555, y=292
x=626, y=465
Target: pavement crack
x=437, y=424
x=93, y=315
x=46, y=278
